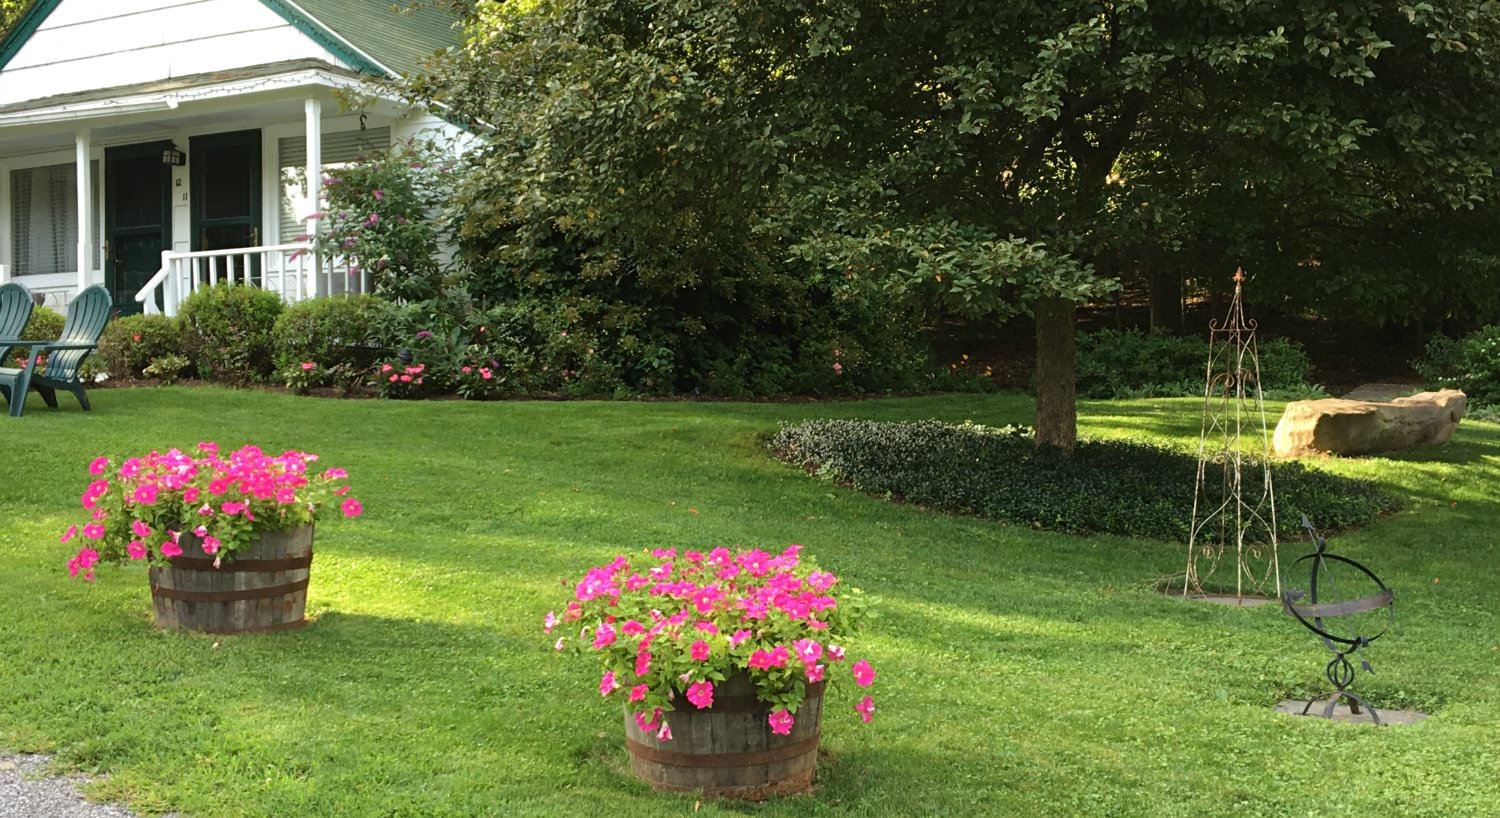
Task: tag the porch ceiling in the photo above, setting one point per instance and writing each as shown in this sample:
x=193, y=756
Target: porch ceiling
x=274, y=93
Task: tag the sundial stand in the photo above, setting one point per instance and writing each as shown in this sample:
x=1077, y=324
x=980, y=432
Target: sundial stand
x=1313, y=615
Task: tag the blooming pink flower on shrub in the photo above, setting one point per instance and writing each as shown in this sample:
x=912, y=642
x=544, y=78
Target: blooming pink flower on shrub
x=211, y=545
x=98, y=466
x=93, y=531
x=836, y=653
x=145, y=494
x=486, y=373
x=864, y=675
x=638, y=693
x=200, y=531
x=140, y=529
x=646, y=722
x=866, y=709
x=643, y=663
x=815, y=673
x=608, y=684
x=766, y=659
x=781, y=721
x=191, y=494
x=136, y=549
x=808, y=650
x=170, y=548
x=308, y=366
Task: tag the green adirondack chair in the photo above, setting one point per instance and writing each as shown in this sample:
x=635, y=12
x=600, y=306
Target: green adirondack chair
x=84, y=324
x=15, y=311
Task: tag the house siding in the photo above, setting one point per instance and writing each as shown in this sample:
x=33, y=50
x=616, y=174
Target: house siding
x=134, y=41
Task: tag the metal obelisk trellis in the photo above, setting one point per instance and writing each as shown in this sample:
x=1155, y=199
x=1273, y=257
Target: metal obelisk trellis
x=1238, y=516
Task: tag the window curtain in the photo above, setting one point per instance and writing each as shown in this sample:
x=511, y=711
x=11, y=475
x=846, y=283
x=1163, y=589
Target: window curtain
x=44, y=219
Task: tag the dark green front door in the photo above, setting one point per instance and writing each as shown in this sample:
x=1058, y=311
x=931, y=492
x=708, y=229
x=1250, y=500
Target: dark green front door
x=137, y=218
x=225, y=170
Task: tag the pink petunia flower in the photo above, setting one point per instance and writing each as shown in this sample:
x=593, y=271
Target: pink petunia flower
x=604, y=637
x=351, y=508
x=738, y=637
x=549, y=623
x=647, y=722
x=94, y=531
x=701, y=694
x=558, y=645
x=211, y=545
x=815, y=672
x=866, y=709
x=83, y=562
x=643, y=663
x=864, y=675
x=98, y=466
x=69, y=534
x=836, y=653
x=781, y=721
x=638, y=693
x=140, y=529
x=808, y=650
x=608, y=684
x=665, y=733
x=699, y=651
x=136, y=549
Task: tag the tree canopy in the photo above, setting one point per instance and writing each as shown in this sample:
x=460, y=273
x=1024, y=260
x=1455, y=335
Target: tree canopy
x=987, y=158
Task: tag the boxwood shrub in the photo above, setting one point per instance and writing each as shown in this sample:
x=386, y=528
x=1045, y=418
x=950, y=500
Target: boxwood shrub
x=226, y=331
x=1108, y=487
x=44, y=324
x=340, y=331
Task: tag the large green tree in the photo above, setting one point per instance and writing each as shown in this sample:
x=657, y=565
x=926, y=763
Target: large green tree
x=985, y=158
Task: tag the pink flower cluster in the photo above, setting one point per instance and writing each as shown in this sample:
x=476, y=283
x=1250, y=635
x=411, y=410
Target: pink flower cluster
x=675, y=624
x=146, y=505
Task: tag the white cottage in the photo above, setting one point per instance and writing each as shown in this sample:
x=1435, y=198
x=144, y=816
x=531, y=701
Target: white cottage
x=153, y=145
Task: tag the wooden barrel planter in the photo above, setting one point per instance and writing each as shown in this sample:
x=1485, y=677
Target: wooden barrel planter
x=263, y=587
x=728, y=750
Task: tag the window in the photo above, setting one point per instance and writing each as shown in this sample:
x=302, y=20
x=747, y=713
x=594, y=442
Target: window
x=339, y=149
x=44, y=219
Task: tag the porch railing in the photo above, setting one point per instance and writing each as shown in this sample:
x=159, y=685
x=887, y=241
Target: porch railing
x=293, y=271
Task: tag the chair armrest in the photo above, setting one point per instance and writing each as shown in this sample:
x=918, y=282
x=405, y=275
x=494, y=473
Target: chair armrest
x=44, y=345
x=19, y=342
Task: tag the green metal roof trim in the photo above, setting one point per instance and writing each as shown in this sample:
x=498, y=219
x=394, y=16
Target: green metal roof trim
x=24, y=28
x=399, y=41
x=395, y=36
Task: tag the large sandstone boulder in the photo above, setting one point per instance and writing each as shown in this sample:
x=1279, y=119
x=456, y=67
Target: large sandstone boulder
x=1353, y=427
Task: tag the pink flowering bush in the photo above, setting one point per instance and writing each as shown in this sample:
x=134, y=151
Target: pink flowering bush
x=668, y=627
x=141, y=507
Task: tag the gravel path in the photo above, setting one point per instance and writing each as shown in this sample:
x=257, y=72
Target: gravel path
x=26, y=793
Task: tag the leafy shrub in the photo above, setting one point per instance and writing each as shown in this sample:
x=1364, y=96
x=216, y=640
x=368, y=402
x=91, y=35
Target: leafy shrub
x=167, y=368
x=381, y=214
x=1471, y=363
x=1108, y=487
x=130, y=342
x=342, y=331
x=44, y=325
x=227, y=331
x=1132, y=364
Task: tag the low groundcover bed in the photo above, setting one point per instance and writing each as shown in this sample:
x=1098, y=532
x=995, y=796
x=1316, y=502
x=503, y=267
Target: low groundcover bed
x=1108, y=487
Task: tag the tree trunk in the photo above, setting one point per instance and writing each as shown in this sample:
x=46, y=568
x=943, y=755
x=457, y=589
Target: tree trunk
x=1166, y=300
x=1056, y=375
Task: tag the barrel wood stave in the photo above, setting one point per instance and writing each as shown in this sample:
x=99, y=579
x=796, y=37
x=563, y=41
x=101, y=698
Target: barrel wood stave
x=262, y=588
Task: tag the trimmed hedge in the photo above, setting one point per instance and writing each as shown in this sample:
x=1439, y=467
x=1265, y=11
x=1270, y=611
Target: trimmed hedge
x=44, y=325
x=226, y=331
x=1108, y=487
x=332, y=332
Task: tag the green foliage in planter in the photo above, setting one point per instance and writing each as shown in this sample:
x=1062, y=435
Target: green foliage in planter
x=227, y=332
x=1109, y=487
x=1131, y=364
x=1470, y=363
x=45, y=324
x=131, y=342
x=334, y=333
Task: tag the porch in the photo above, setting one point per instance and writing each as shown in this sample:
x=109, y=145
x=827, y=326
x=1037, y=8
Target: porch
x=161, y=191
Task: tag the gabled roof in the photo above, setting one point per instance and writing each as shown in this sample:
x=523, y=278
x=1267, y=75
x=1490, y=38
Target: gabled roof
x=367, y=34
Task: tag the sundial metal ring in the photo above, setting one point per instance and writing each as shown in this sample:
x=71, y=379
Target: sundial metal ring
x=1329, y=620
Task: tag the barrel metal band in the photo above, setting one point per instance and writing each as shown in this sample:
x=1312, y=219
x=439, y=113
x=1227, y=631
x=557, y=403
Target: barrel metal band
x=704, y=760
x=202, y=564
x=227, y=596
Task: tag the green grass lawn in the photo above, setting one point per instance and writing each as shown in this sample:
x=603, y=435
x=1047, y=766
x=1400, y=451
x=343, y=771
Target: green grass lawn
x=1021, y=672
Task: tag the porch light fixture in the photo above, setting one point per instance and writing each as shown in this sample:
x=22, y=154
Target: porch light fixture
x=173, y=156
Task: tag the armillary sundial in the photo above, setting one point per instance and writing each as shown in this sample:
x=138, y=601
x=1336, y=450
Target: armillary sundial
x=1337, y=621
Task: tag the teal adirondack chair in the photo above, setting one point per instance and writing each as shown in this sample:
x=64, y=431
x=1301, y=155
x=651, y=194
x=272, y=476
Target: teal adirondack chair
x=84, y=324
x=15, y=311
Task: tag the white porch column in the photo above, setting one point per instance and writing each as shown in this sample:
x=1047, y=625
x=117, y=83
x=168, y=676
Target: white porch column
x=313, y=117
x=85, y=205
